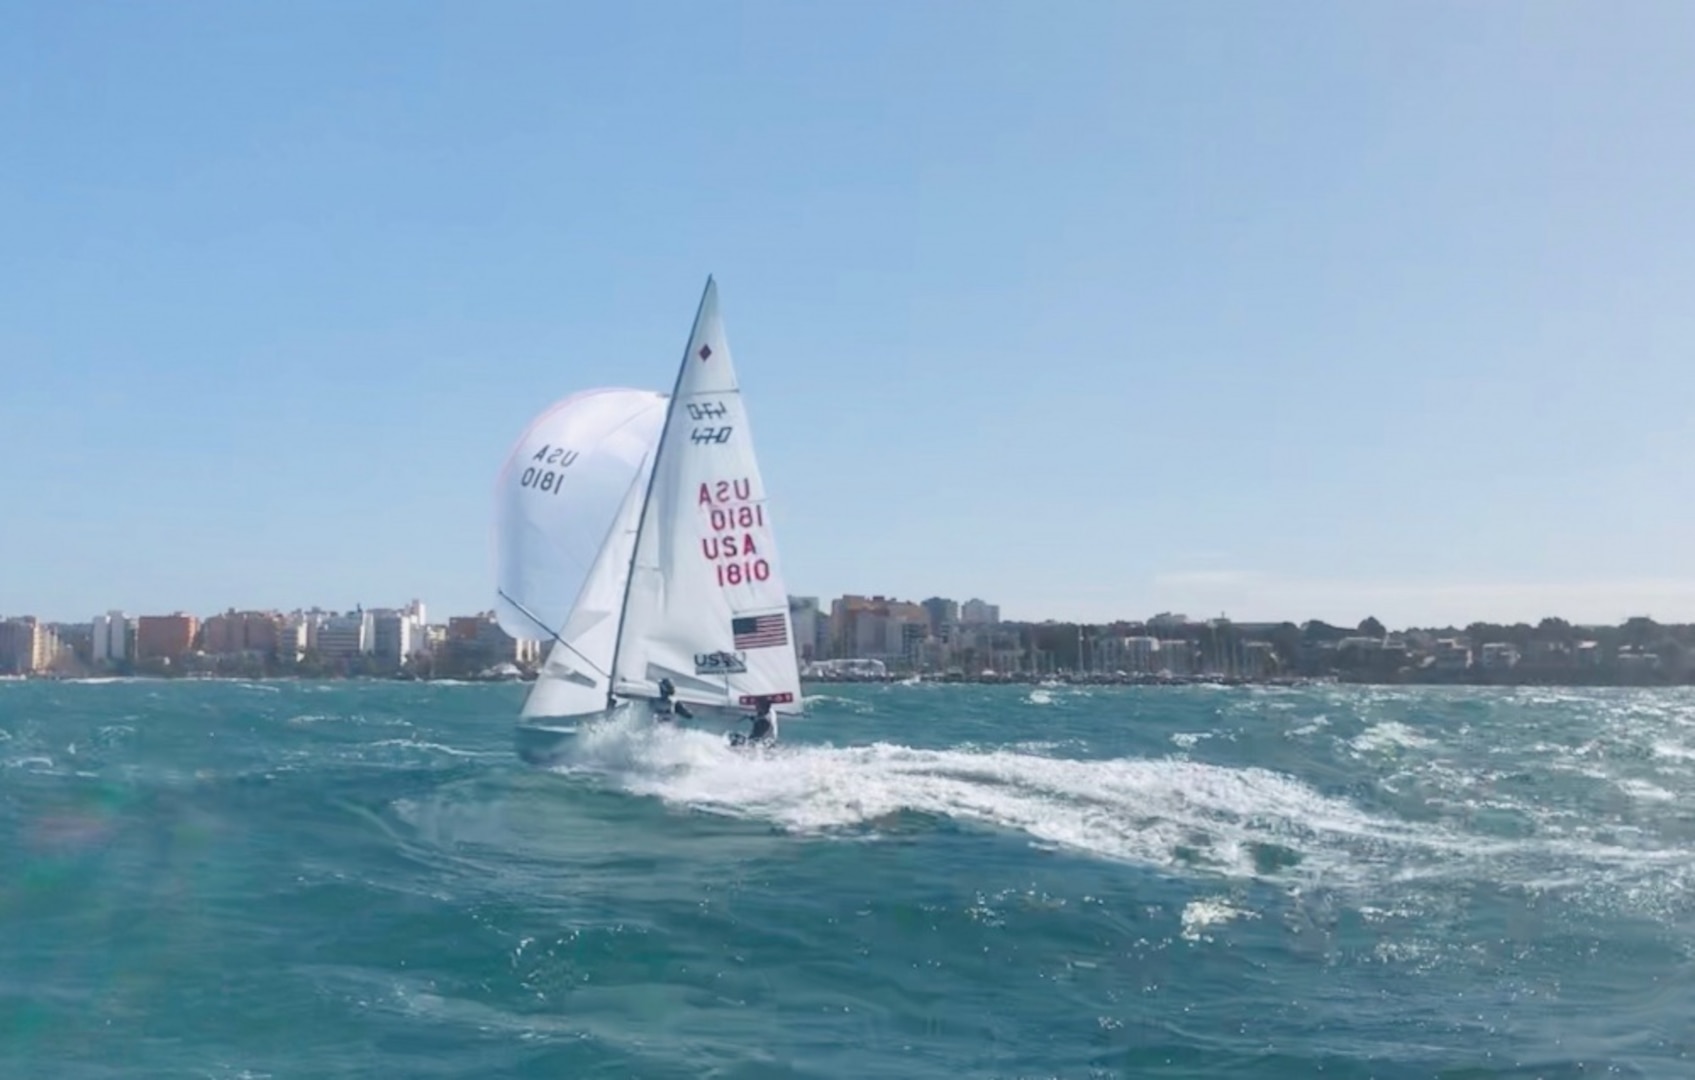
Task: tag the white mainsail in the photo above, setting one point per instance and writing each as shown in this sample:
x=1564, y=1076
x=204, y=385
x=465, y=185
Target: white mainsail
x=571, y=486
x=706, y=604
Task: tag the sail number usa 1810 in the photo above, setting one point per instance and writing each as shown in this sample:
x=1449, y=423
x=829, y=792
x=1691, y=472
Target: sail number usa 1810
x=737, y=531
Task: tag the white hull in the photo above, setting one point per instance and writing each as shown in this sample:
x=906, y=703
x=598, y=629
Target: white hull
x=542, y=742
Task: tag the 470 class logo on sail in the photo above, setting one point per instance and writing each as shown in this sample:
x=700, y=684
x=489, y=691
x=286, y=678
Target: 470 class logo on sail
x=709, y=411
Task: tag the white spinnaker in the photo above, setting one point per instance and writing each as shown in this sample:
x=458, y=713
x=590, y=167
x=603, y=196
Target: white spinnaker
x=556, y=499
x=574, y=678
x=707, y=605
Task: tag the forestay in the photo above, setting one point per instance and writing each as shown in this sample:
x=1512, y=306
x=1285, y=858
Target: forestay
x=556, y=499
x=707, y=606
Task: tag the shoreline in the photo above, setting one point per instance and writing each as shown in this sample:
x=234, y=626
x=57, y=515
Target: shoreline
x=1502, y=680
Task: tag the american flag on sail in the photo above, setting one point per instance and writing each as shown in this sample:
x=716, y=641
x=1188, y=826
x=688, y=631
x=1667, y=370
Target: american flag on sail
x=760, y=631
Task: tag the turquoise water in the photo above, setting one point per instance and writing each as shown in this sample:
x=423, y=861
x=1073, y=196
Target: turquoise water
x=343, y=879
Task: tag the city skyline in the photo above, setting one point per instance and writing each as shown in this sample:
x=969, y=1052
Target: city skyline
x=938, y=609
x=1205, y=594
x=1346, y=311
x=876, y=636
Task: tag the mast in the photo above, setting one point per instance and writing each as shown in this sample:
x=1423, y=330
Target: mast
x=647, y=495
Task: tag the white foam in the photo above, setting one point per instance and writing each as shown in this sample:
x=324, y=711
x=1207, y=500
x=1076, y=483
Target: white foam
x=439, y=748
x=1164, y=812
x=1312, y=727
x=855, y=705
x=1202, y=913
x=1390, y=733
x=1675, y=751
x=1176, y=815
x=1642, y=789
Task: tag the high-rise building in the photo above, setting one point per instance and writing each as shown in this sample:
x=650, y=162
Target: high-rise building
x=805, y=616
x=111, y=633
x=873, y=627
x=978, y=613
x=291, y=638
x=165, y=637
x=75, y=642
x=310, y=623
x=944, y=617
x=398, y=635
x=26, y=646
x=479, y=640
x=241, y=631
x=341, y=637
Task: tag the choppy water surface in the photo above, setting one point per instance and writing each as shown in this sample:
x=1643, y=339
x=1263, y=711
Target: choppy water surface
x=309, y=880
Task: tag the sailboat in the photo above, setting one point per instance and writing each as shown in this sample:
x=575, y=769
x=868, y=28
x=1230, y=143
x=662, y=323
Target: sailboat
x=691, y=558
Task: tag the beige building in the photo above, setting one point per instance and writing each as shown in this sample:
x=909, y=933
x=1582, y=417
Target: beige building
x=241, y=631
x=26, y=646
x=878, y=627
x=482, y=633
x=165, y=637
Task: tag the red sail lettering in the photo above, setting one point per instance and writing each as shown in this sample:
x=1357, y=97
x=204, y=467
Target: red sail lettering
x=723, y=491
x=737, y=517
x=743, y=573
x=729, y=547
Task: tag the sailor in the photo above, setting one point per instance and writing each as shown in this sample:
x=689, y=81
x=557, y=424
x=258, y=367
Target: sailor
x=664, y=707
x=764, y=728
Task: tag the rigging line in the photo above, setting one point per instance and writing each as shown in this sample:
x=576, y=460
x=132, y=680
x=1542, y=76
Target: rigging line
x=552, y=634
x=652, y=479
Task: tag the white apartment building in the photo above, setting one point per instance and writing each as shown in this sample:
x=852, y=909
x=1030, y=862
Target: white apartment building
x=111, y=633
x=342, y=636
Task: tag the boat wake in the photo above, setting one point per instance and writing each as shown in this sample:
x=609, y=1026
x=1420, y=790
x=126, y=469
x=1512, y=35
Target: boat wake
x=1171, y=814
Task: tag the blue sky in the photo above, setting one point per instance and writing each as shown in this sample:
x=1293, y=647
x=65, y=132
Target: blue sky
x=1094, y=310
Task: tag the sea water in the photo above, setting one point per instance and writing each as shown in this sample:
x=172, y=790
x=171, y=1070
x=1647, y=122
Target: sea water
x=280, y=879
